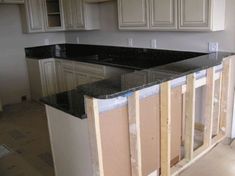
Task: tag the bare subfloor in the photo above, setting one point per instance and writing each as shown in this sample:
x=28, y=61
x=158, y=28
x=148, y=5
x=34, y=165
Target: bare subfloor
x=23, y=131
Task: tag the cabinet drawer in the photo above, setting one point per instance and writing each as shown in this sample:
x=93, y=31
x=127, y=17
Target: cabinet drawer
x=98, y=70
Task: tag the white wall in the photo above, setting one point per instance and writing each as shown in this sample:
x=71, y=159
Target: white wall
x=13, y=71
x=109, y=35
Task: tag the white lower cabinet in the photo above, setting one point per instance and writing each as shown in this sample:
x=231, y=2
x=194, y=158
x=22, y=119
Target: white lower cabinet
x=42, y=77
x=69, y=79
x=51, y=76
x=48, y=76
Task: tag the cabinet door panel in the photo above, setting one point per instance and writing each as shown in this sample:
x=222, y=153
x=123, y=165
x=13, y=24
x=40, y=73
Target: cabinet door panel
x=34, y=13
x=69, y=79
x=68, y=14
x=78, y=11
x=48, y=77
x=133, y=13
x=163, y=14
x=81, y=79
x=195, y=14
x=59, y=76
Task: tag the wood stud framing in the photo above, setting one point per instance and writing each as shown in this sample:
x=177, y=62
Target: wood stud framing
x=165, y=114
x=224, y=94
x=189, y=117
x=95, y=136
x=189, y=94
x=209, y=106
x=134, y=133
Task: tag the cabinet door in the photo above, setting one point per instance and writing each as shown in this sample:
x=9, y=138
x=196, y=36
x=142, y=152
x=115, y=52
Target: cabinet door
x=195, y=14
x=68, y=13
x=69, y=79
x=163, y=14
x=59, y=76
x=34, y=15
x=81, y=79
x=78, y=14
x=48, y=77
x=133, y=14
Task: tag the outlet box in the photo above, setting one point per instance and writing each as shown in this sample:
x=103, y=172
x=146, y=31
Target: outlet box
x=154, y=43
x=77, y=40
x=130, y=42
x=46, y=41
x=213, y=47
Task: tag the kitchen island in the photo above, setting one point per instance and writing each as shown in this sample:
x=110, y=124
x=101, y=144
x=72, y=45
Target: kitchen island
x=144, y=122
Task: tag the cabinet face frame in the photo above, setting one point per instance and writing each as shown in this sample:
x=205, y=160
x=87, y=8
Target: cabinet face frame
x=133, y=25
x=172, y=24
x=204, y=25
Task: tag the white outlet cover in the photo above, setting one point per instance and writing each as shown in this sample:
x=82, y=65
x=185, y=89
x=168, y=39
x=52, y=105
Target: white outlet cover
x=46, y=41
x=213, y=47
x=130, y=42
x=77, y=40
x=154, y=43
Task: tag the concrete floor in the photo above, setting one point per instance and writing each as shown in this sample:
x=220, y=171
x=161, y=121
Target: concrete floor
x=23, y=129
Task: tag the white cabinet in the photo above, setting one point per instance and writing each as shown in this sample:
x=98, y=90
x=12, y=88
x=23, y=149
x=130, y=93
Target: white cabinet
x=80, y=16
x=51, y=76
x=202, y=15
x=163, y=14
x=175, y=15
x=69, y=79
x=48, y=77
x=13, y=1
x=32, y=13
x=133, y=14
x=59, y=76
x=42, y=77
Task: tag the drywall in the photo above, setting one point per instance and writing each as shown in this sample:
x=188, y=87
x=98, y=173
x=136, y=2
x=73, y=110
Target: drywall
x=13, y=70
x=194, y=41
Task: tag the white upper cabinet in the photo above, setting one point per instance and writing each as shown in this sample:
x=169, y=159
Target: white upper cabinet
x=180, y=15
x=133, y=14
x=163, y=14
x=79, y=15
x=202, y=15
x=32, y=13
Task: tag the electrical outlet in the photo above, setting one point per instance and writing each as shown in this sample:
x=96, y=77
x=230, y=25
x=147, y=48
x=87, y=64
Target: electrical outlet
x=130, y=42
x=213, y=47
x=154, y=43
x=46, y=41
x=78, y=40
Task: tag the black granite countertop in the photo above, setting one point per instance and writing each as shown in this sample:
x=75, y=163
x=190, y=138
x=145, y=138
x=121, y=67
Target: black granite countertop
x=167, y=66
x=123, y=57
